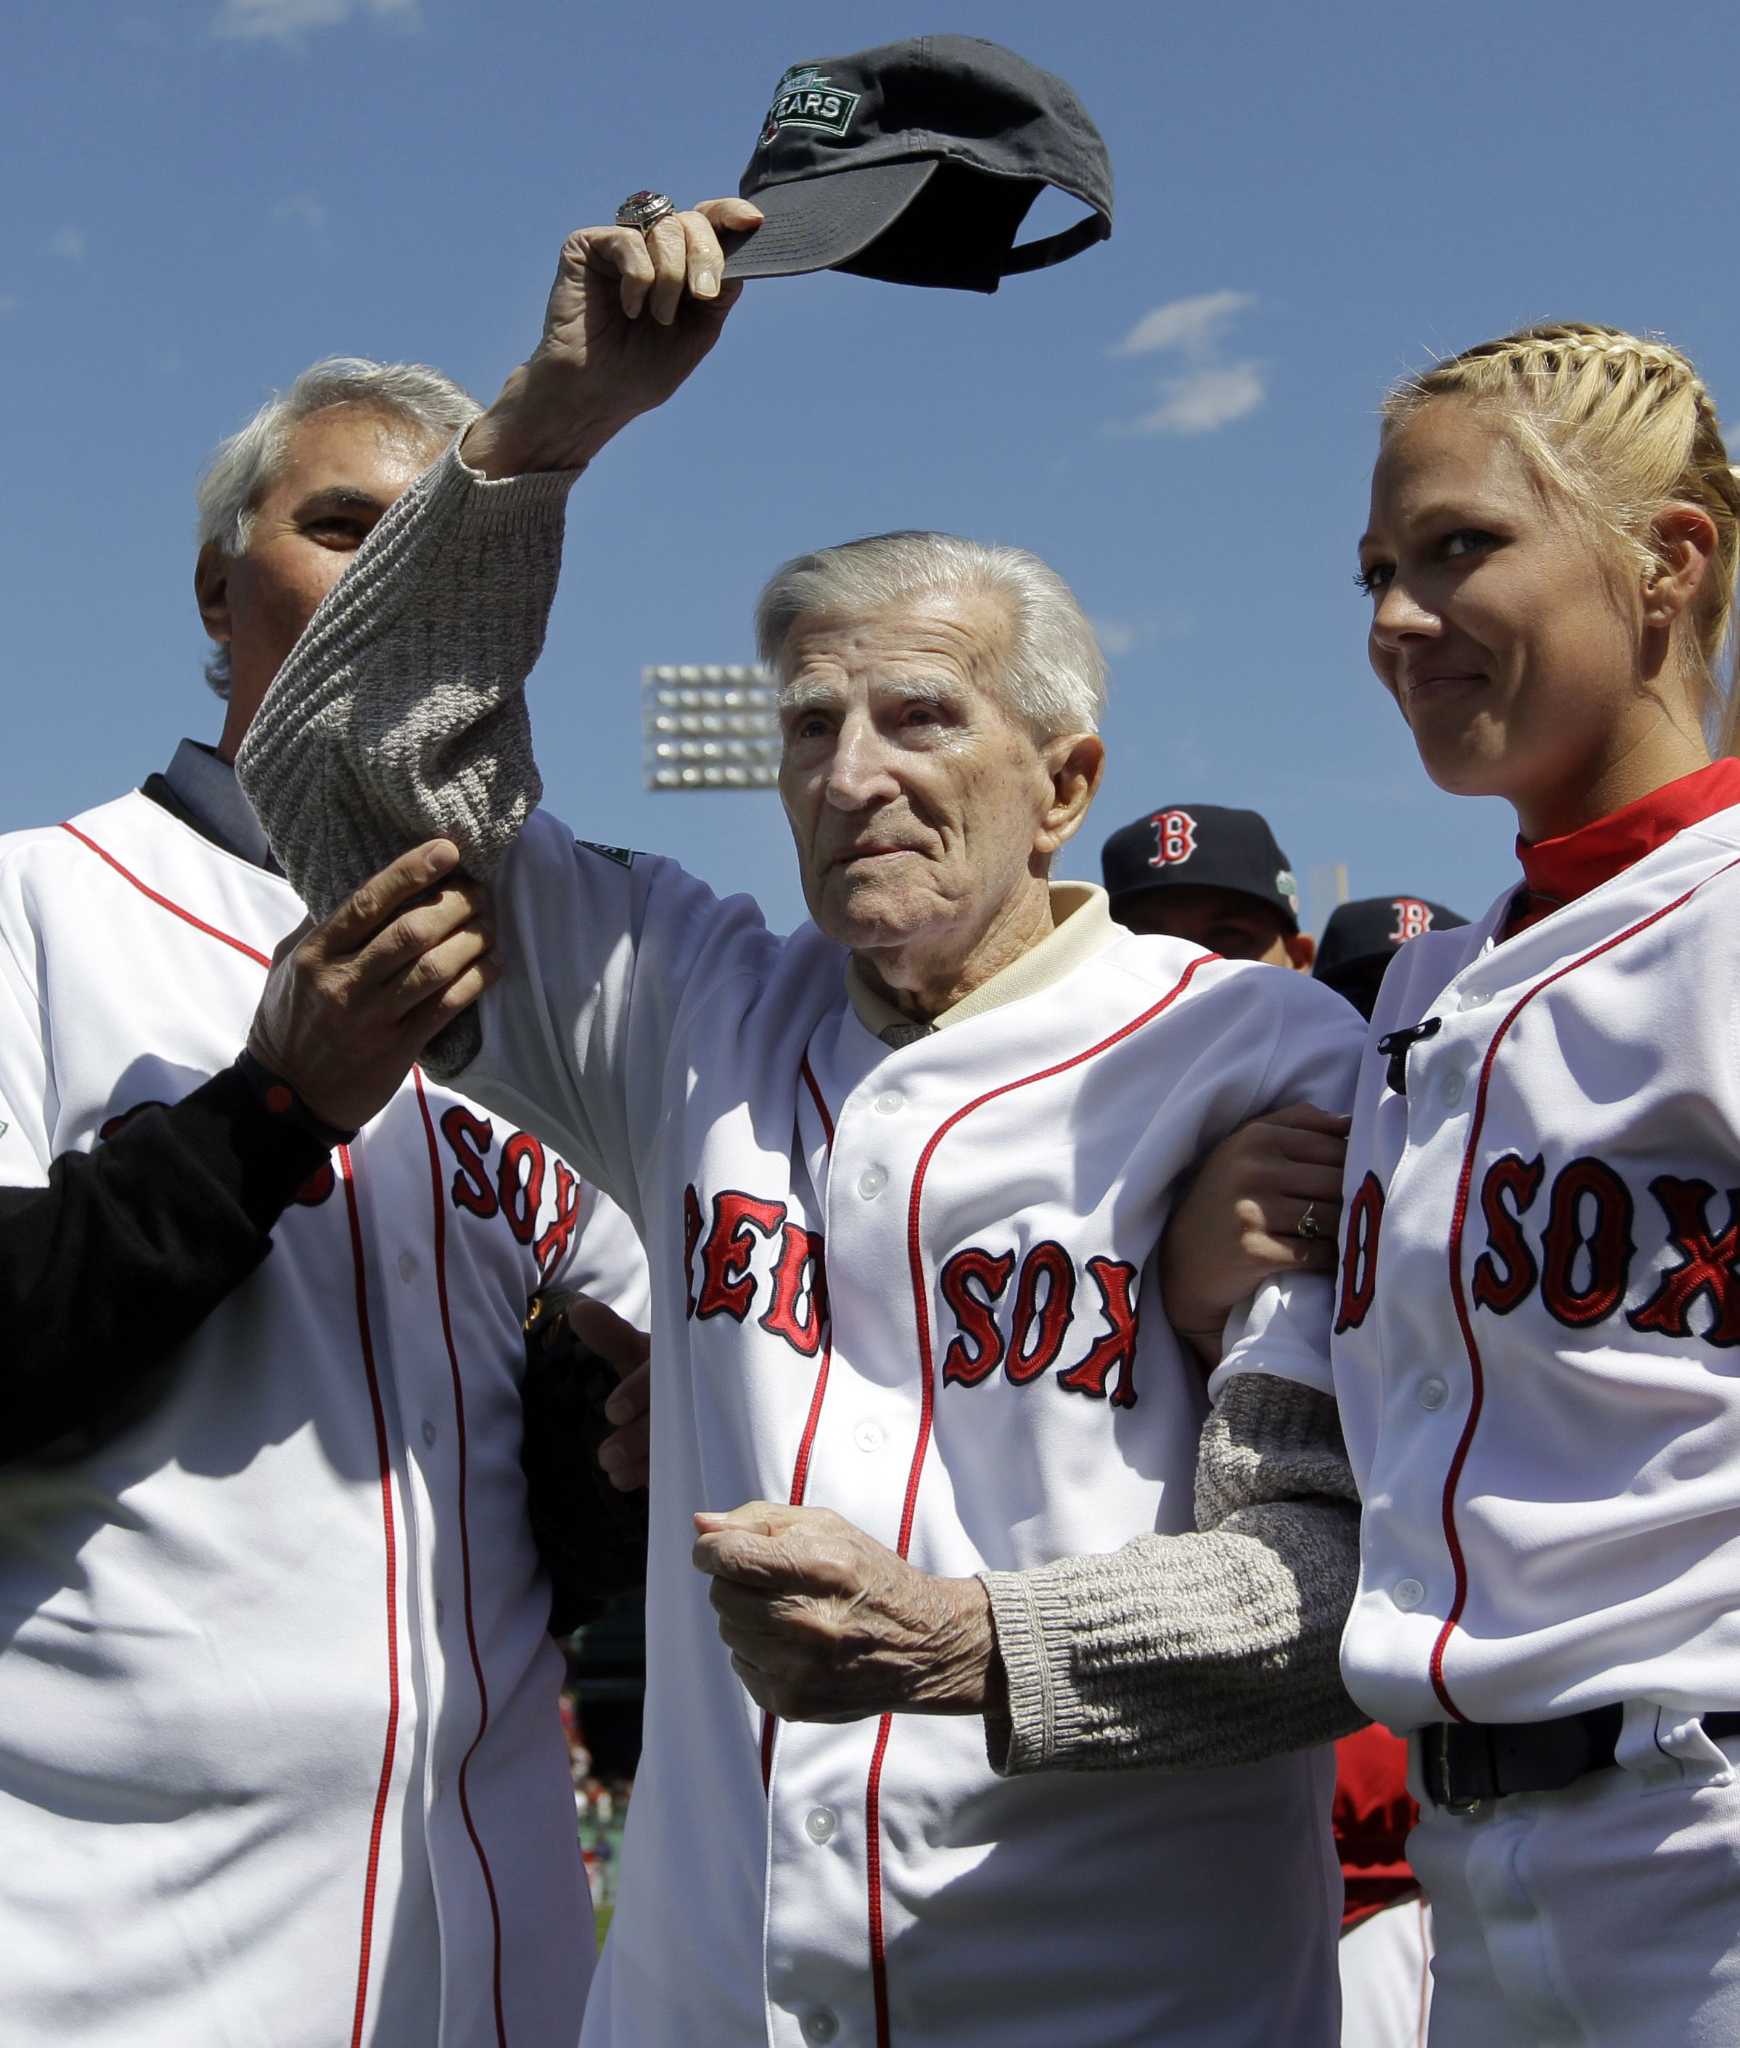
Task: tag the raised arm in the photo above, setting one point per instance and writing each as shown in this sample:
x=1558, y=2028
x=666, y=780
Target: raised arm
x=399, y=714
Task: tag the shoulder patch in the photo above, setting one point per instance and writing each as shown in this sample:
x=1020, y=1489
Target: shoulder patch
x=623, y=856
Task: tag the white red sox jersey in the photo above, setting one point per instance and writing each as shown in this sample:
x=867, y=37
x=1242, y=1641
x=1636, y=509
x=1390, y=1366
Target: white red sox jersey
x=280, y=1759
x=1539, y=1314
x=915, y=1285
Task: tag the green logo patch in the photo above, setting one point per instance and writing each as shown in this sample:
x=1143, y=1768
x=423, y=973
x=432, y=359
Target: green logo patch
x=622, y=855
x=805, y=99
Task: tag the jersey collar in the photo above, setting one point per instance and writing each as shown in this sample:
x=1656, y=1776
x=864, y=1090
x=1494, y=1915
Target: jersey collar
x=1560, y=870
x=1081, y=926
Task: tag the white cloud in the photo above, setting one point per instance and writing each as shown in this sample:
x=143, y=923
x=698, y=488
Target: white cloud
x=1117, y=637
x=1202, y=400
x=1192, y=325
x=68, y=244
x=287, y=21
x=302, y=209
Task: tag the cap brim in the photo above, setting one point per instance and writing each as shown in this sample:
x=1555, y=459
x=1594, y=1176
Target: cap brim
x=814, y=223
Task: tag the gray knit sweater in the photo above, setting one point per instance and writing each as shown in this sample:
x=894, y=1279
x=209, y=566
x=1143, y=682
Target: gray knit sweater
x=401, y=715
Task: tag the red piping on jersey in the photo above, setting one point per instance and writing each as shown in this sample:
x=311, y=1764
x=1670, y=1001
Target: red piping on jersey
x=1458, y=1218
x=801, y=1469
x=175, y=910
x=921, y=1309
x=371, y=1871
x=440, y=1212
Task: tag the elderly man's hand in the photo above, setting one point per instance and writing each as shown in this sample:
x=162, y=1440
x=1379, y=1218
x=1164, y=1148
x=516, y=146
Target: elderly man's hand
x=631, y=314
x=1239, y=1223
x=350, y=1003
x=825, y=1624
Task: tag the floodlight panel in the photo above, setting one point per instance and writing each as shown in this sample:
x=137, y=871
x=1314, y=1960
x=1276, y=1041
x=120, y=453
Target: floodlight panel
x=712, y=725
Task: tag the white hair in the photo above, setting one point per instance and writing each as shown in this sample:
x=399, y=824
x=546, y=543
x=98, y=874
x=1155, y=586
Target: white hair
x=244, y=467
x=1055, y=681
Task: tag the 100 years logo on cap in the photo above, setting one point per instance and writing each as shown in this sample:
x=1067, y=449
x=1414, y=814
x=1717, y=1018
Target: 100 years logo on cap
x=805, y=99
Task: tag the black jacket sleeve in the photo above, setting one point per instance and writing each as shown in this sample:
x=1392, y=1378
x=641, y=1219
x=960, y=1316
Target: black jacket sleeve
x=105, y=1271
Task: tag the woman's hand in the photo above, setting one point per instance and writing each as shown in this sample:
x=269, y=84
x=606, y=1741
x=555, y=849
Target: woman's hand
x=1265, y=1200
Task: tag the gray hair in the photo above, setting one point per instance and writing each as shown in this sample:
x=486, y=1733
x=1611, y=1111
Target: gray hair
x=244, y=467
x=1056, y=678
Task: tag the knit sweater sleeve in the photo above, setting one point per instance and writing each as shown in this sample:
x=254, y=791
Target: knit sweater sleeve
x=1187, y=1651
x=400, y=714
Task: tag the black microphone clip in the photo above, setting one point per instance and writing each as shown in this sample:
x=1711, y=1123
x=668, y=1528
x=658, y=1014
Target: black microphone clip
x=1396, y=1045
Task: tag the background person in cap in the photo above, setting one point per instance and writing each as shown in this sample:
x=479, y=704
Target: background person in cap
x=1362, y=938
x=1212, y=875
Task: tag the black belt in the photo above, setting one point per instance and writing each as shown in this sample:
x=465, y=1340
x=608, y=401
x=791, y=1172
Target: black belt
x=1464, y=1762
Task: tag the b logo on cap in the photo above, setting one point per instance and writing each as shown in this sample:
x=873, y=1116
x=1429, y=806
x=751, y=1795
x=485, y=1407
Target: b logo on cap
x=1174, y=838
x=805, y=99
x=1412, y=919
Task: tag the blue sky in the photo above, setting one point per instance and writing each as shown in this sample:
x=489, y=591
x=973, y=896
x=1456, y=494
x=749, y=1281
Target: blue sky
x=206, y=194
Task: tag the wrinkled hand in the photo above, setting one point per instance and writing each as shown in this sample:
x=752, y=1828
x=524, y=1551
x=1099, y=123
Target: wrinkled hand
x=1238, y=1225
x=350, y=1003
x=602, y=360
x=825, y=1624
x=626, y=1454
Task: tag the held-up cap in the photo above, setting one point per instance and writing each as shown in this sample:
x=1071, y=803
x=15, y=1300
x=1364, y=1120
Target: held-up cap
x=1360, y=937
x=1202, y=846
x=917, y=162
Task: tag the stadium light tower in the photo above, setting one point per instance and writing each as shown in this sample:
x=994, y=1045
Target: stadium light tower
x=709, y=726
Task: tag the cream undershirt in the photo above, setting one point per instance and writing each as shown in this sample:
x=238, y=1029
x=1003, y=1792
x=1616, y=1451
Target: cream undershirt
x=1081, y=927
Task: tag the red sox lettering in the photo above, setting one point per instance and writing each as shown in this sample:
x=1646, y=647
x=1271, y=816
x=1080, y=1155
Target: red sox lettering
x=722, y=1240
x=1575, y=1244
x=515, y=1191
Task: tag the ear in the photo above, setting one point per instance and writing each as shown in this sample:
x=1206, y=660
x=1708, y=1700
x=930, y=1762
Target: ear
x=1075, y=762
x=211, y=590
x=1301, y=951
x=1684, y=538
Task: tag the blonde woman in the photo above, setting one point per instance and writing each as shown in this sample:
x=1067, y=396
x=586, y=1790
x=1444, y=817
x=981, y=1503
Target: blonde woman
x=1538, y=1334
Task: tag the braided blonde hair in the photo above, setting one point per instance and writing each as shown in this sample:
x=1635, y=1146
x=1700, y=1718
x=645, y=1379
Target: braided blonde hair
x=1622, y=427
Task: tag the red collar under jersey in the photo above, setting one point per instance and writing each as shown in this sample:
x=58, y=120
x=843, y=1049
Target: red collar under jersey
x=1560, y=870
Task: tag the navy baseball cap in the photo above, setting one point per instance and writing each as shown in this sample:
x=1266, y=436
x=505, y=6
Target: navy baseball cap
x=917, y=162
x=1201, y=846
x=1360, y=939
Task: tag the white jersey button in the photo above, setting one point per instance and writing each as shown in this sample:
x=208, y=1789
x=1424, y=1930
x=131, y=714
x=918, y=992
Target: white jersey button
x=820, y=2026
x=429, y=1432
x=869, y=1435
x=871, y=1182
x=407, y=1264
x=1407, y=1594
x=1452, y=1087
x=1434, y=1393
x=890, y=1102
x=440, y=1612
x=1474, y=999
x=820, y=1823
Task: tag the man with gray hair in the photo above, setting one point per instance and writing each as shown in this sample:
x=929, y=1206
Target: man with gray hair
x=280, y=1757
x=940, y=1505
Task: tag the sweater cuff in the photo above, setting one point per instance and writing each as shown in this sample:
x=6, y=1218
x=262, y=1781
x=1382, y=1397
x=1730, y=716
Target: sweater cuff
x=499, y=504
x=1043, y=1720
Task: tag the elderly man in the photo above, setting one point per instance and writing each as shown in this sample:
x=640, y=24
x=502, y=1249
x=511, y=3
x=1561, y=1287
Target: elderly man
x=280, y=1759
x=901, y=1176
